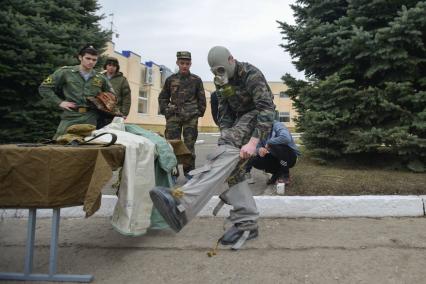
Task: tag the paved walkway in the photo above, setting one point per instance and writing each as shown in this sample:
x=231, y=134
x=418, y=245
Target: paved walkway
x=361, y=250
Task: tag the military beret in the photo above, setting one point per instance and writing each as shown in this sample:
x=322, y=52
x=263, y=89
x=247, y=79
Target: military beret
x=183, y=55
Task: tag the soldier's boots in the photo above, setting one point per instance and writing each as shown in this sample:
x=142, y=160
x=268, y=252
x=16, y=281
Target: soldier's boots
x=239, y=233
x=169, y=207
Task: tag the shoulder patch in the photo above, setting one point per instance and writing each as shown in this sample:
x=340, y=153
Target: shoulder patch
x=48, y=81
x=97, y=82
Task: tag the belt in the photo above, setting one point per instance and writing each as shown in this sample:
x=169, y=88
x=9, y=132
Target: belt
x=82, y=109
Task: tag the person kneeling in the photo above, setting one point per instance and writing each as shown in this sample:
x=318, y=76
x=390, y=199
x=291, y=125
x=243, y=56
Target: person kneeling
x=276, y=155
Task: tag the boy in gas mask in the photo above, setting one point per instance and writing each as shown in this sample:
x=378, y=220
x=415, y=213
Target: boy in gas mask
x=246, y=112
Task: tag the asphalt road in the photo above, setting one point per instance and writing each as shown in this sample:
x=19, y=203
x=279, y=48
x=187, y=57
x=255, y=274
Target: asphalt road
x=389, y=250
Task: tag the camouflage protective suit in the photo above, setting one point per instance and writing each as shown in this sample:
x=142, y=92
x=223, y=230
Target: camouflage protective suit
x=246, y=110
x=67, y=84
x=182, y=101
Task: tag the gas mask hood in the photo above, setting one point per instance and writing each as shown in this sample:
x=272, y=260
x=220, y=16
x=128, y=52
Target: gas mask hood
x=218, y=59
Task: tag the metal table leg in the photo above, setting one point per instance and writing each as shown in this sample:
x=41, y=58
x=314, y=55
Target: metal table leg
x=28, y=266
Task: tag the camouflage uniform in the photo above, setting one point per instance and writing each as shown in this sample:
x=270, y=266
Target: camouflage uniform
x=182, y=101
x=67, y=84
x=246, y=110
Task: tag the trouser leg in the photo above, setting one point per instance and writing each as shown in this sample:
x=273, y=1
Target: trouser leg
x=173, y=132
x=209, y=180
x=268, y=163
x=285, y=157
x=190, y=134
x=173, y=129
x=103, y=120
x=180, y=205
x=243, y=204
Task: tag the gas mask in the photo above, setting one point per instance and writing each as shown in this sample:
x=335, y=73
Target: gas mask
x=220, y=76
x=220, y=65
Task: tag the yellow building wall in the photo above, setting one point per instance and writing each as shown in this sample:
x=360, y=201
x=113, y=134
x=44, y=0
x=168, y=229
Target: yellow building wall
x=135, y=72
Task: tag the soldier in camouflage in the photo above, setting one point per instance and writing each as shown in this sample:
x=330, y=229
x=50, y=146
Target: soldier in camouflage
x=182, y=101
x=246, y=113
x=70, y=86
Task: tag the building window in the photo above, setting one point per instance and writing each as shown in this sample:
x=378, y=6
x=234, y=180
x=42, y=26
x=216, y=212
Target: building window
x=283, y=95
x=143, y=102
x=143, y=74
x=149, y=73
x=285, y=116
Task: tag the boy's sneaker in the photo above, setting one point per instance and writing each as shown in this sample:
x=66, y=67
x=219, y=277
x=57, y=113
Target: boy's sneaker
x=285, y=180
x=249, y=178
x=272, y=180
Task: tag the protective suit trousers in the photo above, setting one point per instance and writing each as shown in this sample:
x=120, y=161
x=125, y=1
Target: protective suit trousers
x=211, y=180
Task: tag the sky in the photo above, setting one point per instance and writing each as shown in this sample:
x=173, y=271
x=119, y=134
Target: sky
x=156, y=30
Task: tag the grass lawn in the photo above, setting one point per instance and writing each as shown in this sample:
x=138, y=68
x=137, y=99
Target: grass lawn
x=309, y=177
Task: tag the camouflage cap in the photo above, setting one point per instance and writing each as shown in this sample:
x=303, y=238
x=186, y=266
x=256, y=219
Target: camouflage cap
x=183, y=55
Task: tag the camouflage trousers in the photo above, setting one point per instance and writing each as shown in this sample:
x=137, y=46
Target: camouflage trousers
x=238, y=135
x=176, y=128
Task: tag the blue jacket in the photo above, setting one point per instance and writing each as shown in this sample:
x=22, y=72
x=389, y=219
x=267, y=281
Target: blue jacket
x=279, y=135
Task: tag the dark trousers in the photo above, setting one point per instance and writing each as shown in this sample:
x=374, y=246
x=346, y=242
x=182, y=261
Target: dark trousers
x=176, y=127
x=278, y=162
x=103, y=120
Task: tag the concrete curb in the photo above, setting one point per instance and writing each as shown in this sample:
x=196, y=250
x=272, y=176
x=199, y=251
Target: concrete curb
x=280, y=207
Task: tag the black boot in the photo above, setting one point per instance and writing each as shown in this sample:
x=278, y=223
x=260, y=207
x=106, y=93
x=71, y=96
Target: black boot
x=168, y=207
x=239, y=233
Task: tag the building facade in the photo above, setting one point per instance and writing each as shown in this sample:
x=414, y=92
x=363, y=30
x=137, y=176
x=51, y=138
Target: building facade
x=147, y=79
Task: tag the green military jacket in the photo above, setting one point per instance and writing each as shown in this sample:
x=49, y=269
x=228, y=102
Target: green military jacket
x=66, y=84
x=122, y=92
x=182, y=95
x=248, y=90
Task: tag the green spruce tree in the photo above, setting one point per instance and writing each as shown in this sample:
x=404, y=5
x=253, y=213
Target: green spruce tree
x=36, y=37
x=366, y=67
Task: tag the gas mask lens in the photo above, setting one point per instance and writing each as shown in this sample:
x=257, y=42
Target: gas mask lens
x=218, y=70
